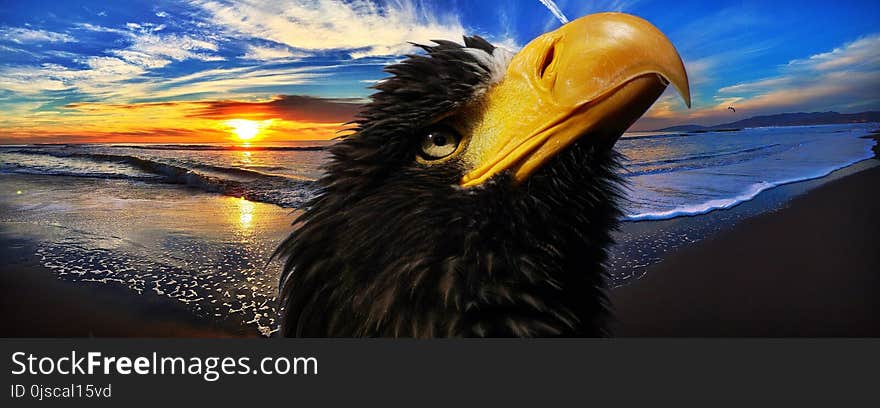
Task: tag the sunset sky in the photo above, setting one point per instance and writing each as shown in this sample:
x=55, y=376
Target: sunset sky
x=191, y=71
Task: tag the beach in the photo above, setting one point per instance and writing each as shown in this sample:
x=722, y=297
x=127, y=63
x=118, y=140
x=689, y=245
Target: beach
x=759, y=278
x=35, y=303
x=110, y=258
x=175, y=241
x=811, y=269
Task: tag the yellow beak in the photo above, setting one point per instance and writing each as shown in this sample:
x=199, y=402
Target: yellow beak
x=593, y=77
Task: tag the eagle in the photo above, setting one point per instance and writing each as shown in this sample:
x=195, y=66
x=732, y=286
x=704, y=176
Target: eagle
x=477, y=193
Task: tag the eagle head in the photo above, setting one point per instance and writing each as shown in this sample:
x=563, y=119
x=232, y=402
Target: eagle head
x=478, y=191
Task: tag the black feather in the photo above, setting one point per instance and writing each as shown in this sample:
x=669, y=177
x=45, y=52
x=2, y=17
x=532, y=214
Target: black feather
x=391, y=247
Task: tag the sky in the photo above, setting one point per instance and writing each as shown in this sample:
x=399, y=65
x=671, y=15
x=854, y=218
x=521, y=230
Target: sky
x=215, y=71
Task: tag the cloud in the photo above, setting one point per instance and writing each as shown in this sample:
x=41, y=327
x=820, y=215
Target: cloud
x=84, y=135
x=699, y=70
x=361, y=27
x=174, y=46
x=264, y=53
x=17, y=50
x=118, y=79
x=862, y=53
x=141, y=59
x=734, y=28
x=832, y=79
x=287, y=107
x=121, y=72
x=99, y=28
x=556, y=16
x=284, y=118
x=29, y=81
x=150, y=49
x=21, y=35
x=225, y=81
x=554, y=9
x=99, y=75
x=843, y=79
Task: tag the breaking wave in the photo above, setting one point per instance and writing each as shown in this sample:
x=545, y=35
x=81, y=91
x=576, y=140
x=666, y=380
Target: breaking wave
x=285, y=191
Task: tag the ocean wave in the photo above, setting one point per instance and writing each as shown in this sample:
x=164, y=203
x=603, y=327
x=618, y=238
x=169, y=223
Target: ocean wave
x=709, y=155
x=12, y=168
x=702, y=208
x=700, y=161
x=246, y=173
x=285, y=191
x=722, y=203
x=657, y=136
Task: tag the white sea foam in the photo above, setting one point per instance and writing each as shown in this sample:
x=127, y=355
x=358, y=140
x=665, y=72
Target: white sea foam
x=670, y=174
x=750, y=192
x=702, y=208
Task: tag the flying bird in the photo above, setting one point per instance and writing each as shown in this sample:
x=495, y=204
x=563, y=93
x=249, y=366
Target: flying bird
x=731, y=108
x=478, y=190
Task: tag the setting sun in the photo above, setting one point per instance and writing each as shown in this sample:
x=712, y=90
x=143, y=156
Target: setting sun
x=244, y=129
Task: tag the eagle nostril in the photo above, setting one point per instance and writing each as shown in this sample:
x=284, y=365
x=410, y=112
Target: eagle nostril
x=548, y=59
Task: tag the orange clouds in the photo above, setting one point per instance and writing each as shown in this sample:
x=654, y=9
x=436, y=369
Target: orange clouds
x=287, y=118
x=286, y=107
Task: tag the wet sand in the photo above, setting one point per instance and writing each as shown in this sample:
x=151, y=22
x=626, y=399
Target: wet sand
x=110, y=258
x=809, y=269
x=35, y=303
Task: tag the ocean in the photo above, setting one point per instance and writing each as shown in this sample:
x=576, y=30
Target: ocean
x=197, y=223
x=681, y=174
x=669, y=174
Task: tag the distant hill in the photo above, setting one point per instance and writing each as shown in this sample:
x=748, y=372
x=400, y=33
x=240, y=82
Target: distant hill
x=783, y=119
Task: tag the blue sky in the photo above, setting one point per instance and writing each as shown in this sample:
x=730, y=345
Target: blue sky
x=76, y=68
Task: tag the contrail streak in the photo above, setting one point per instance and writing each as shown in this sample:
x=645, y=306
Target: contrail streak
x=555, y=10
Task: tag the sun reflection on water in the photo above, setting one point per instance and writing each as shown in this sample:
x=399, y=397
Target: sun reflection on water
x=245, y=157
x=245, y=213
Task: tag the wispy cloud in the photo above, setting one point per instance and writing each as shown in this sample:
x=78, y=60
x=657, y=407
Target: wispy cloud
x=845, y=78
x=121, y=73
x=99, y=76
x=836, y=78
x=23, y=35
x=364, y=28
x=117, y=80
x=268, y=53
x=577, y=9
x=174, y=46
x=225, y=82
x=860, y=54
x=554, y=9
x=99, y=28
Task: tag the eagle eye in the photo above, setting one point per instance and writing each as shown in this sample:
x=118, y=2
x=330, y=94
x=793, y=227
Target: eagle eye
x=439, y=143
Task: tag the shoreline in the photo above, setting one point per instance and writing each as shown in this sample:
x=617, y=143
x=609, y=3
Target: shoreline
x=37, y=303
x=808, y=269
x=670, y=297
x=651, y=241
x=643, y=243
x=730, y=203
